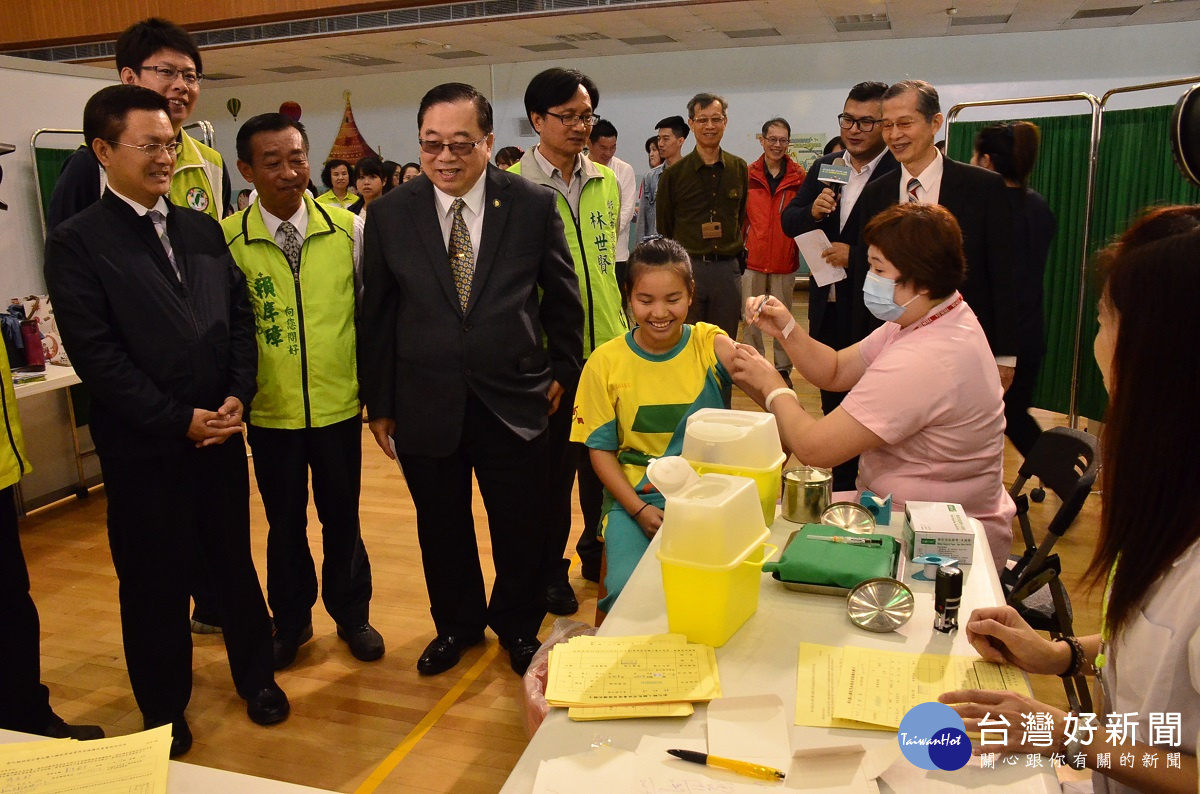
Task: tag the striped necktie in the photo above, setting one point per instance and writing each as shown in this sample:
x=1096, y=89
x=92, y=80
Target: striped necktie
x=462, y=256
x=914, y=184
x=160, y=227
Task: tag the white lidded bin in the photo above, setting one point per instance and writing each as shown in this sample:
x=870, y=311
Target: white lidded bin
x=747, y=439
x=713, y=521
x=740, y=443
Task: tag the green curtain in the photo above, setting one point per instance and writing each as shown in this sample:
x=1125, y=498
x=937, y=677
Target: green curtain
x=1061, y=177
x=1135, y=170
x=49, y=166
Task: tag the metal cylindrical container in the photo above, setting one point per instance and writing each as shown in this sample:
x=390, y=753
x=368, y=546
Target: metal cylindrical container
x=807, y=491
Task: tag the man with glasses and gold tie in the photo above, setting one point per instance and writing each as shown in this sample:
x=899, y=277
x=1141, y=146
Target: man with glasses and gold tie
x=155, y=313
x=701, y=203
x=470, y=332
x=561, y=104
x=161, y=56
x=832, y=208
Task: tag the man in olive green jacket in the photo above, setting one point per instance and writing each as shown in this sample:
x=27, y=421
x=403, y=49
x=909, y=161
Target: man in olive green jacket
x=301, y=264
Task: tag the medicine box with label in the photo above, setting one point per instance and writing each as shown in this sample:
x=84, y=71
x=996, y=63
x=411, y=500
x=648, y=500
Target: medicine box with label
x=938, y=528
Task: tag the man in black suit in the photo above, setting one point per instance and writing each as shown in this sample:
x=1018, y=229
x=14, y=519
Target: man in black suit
x=835, y=212
x=465, y=270
x=911, y=118
x=156, y=316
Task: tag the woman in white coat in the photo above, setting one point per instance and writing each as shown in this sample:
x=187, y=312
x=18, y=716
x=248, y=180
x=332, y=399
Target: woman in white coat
x=1148, y=554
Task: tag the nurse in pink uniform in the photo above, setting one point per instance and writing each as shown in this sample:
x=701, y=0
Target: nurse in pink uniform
x=924, y=411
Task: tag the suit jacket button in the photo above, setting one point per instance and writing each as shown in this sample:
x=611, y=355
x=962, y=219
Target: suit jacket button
x=466, y=328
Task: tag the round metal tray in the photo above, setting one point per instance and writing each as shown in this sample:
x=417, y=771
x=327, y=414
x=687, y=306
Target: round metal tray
x=849, y=516
x=881, y=605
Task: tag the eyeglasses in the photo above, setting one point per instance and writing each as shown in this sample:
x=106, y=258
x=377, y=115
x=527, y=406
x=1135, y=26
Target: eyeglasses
x=169, y=73
x=776, y=141
x=571, y=120
x=904, y=125
x=174, y=148
x=706, y=120
x=865, y=124
x=457, y=148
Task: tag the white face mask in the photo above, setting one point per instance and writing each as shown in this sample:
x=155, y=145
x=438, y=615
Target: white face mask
x=879, y=295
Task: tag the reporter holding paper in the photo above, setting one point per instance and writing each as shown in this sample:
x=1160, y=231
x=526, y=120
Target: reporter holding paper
x=924, y=409
x=818, y=205
x=1148, y=552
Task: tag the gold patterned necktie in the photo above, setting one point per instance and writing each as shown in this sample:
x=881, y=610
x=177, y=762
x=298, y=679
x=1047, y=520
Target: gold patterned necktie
x=462, y=256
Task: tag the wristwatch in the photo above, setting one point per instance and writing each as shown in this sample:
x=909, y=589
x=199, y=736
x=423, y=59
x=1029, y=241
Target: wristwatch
x=1073, y=752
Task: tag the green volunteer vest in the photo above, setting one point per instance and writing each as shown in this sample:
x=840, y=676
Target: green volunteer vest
x=593, y=244
x=14, y=462
x=307, y=370
x=198, y=178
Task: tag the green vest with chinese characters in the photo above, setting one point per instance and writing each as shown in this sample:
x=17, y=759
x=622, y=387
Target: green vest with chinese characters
x=593, y=244
x=304, y=324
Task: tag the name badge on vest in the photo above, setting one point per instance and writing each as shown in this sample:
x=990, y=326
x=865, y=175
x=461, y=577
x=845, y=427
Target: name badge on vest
x=711, y=230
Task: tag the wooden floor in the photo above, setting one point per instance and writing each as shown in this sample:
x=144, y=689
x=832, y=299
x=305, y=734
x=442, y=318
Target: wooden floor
x=354, y=726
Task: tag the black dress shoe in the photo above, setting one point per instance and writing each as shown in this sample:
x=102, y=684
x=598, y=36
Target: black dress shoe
x=285, y=644
x=520, y=652
x=366, y=644
x=181, y=735
x=268, y=706
x=560, y=599
x=57, y=728
x=444, y=652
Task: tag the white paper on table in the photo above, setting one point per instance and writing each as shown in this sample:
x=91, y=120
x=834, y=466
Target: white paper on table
x=598, y=769
x=811, y=245
x=833, y=773
x=657, y=771
x=752, y=728
x=902, y=775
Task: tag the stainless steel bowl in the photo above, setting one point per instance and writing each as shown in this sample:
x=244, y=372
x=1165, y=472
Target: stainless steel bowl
x=849, y=516
x=880, y=605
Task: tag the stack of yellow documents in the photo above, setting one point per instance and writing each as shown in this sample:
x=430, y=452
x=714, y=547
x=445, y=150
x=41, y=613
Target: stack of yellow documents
x=604, y=678
x=873, y=690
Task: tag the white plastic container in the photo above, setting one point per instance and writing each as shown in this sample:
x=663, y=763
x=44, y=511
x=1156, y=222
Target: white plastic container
x=747, y=439
x=739, y=443
x=713, y=522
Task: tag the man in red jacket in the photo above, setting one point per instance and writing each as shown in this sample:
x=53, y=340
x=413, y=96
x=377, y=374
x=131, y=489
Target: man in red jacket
x=772, y=257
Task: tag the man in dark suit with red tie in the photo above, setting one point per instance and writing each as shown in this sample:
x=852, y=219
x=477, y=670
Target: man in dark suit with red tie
x=471, y=327
x=975, y=196
x=158, y=322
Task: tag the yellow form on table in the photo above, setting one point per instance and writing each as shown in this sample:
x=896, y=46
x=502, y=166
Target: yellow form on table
x=631, y=671
x=873, y=690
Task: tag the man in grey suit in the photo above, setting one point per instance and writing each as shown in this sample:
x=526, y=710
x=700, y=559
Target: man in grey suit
x=471, y=328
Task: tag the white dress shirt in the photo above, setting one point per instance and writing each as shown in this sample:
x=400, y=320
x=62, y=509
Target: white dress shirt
x=854, y=188
x=627, y=181
x=931, y=181
x=472, y=214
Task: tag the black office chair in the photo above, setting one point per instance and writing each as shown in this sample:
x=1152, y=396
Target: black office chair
x=1067, y=462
